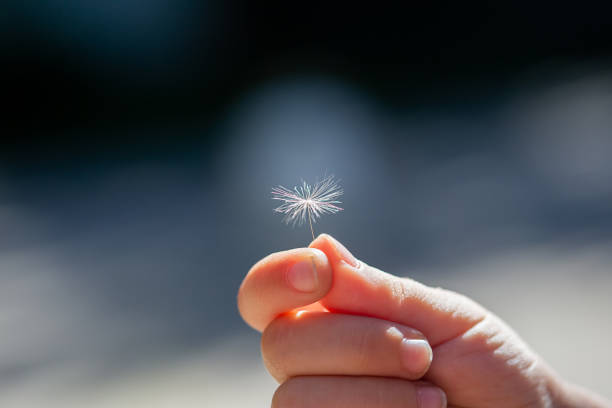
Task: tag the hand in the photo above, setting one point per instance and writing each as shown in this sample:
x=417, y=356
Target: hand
x=317, y=356
x=477, y=360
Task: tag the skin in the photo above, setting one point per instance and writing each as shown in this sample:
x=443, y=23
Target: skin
x=339, y=333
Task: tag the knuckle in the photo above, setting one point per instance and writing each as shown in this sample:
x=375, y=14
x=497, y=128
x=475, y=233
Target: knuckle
x=399, y=290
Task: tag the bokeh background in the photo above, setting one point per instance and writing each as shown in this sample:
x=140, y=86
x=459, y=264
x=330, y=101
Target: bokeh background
x=141, y=141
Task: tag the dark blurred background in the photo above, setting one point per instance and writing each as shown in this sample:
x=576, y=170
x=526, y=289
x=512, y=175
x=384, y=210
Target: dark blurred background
x=141, y=141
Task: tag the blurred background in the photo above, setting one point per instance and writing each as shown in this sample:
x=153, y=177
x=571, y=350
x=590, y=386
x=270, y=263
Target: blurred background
x=141, y=141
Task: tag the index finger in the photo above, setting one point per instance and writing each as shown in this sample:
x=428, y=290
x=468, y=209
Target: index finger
x=281, y=282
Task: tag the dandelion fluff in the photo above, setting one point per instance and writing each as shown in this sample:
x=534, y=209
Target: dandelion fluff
x=308, y=202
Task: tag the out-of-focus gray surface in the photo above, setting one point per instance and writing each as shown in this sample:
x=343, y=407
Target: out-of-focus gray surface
x=118, y=281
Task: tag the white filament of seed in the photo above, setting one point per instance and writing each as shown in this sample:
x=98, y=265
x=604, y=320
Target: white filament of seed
x=308, y=202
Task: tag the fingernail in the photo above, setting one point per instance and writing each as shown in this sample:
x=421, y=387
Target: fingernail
x=431, y=397
x=415, y=355
x=303, y=276
x=343, y=253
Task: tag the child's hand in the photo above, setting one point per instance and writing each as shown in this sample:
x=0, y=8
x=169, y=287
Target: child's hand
x=367, y=354
x=312, y=354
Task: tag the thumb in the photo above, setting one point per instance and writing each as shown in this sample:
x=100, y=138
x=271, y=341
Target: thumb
x=361, y=289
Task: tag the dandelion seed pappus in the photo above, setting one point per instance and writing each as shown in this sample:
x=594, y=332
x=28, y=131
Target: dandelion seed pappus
x=307, y=201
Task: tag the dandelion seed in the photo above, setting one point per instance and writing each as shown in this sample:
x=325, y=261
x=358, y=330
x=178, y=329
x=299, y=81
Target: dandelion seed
x=308, y=202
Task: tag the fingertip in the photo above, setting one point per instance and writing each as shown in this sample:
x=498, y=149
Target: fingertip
x=429, y=396
x=323, y=267
x=415, y=356
x=281, y=282
x=310, y=272
x=318, y=257
x=335, y=251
